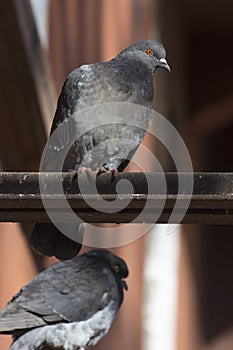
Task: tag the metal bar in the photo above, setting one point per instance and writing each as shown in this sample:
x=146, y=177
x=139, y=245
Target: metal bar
x=211, y=200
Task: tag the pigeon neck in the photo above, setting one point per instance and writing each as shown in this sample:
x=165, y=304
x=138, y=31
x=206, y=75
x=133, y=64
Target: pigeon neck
x=138, y=61
x=132, y=69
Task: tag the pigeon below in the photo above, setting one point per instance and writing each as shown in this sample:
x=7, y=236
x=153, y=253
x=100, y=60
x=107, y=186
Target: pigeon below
x=71, y=305
x=125, y=79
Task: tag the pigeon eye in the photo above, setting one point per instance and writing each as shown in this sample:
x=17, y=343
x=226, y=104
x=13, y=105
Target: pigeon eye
x=116, y=268
x=149, y=52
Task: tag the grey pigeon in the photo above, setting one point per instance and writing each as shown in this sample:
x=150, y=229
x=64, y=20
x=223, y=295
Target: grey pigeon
x=127, y=78
x=70, y=305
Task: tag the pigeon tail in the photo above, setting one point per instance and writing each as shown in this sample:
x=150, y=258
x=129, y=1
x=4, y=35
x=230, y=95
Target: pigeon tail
x=49, y=241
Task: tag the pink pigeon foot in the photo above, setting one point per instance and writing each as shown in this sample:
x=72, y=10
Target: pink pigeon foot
x=103, y=170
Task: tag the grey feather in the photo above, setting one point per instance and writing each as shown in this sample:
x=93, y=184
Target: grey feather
x=75, y=294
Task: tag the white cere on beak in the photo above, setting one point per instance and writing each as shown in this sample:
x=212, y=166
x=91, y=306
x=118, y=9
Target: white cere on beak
x=164, y=64
x=163, y=60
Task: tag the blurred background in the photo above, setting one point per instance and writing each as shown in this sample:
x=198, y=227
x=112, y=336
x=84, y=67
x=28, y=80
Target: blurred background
x=180, y=285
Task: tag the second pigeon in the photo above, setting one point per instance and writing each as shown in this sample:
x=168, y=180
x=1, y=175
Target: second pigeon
x=68, y=306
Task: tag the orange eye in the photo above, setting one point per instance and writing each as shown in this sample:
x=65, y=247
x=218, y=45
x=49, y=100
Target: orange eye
x=116, y=268
x=149, y=52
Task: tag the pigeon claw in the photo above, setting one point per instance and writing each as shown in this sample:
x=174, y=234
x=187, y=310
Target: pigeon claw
x=91, y=174
x=104, y=170
x=114, y=174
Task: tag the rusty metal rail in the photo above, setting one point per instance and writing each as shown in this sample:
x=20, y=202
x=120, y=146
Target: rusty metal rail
x=211, y=199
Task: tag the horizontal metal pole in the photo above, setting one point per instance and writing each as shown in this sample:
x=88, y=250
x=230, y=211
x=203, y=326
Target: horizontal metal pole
x=145, y=201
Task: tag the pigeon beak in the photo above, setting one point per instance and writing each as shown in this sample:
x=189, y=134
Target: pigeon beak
x=163, y=64
x=124, y=285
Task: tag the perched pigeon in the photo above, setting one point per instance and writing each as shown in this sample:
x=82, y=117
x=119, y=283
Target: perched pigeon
x=70, y=305
x=127, y=78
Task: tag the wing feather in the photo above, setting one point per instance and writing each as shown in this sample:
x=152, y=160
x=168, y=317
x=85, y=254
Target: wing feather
x=62, y=293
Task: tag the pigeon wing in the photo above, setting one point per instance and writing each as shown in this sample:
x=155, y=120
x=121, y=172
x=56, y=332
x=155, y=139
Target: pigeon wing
x=66, y=292
x=77, y=291
x=63, y=126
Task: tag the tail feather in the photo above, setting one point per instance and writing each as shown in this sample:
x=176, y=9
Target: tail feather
x=48, y=240
x=14, y=318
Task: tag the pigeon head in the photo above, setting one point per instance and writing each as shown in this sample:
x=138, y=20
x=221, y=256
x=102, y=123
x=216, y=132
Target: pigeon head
x=150, y=52
x=117, y=264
